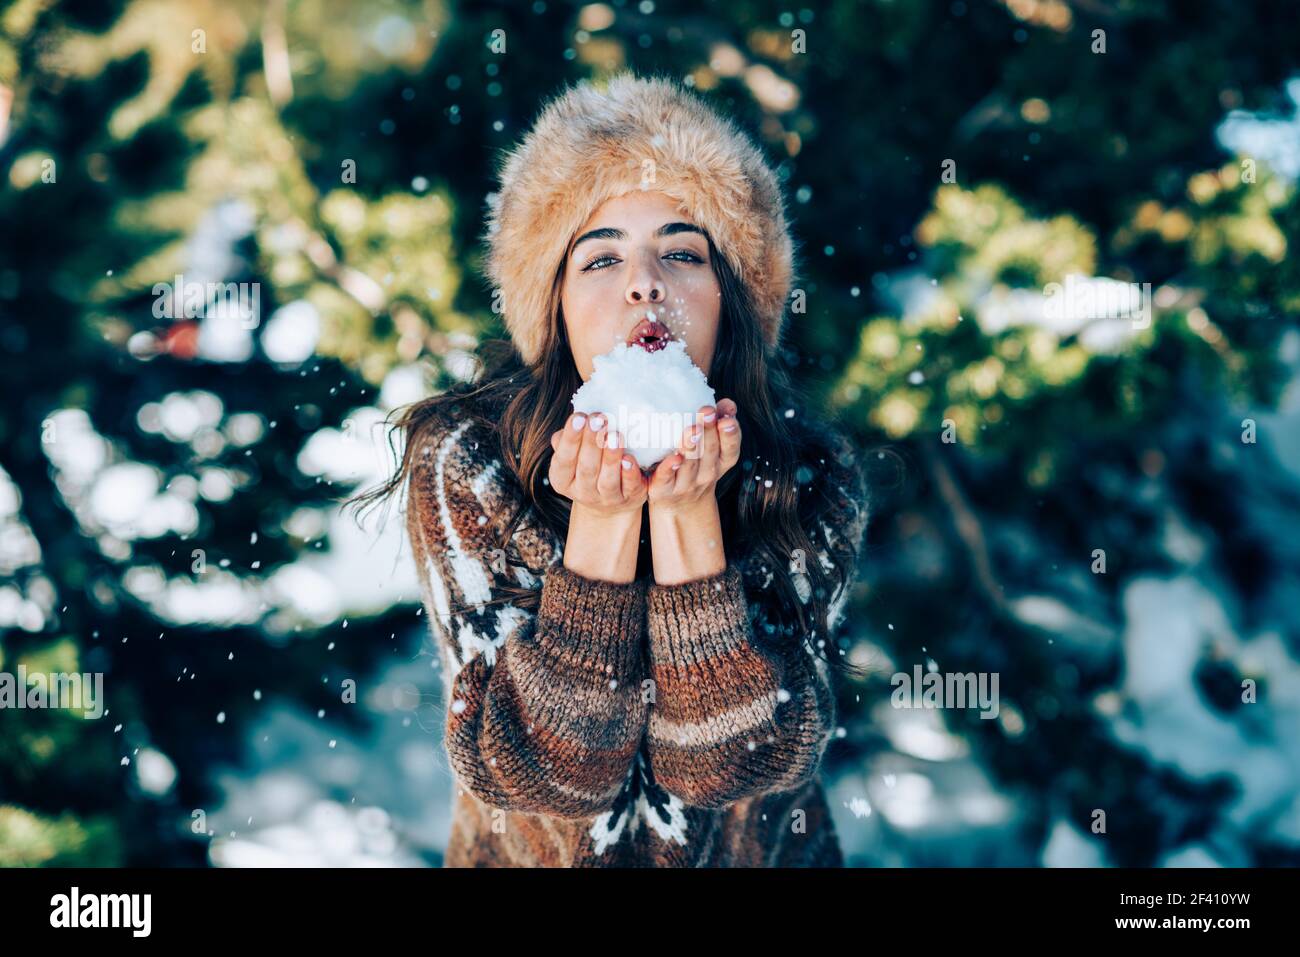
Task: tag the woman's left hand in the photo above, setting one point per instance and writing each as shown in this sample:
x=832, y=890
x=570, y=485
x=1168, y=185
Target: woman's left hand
x=690, y=475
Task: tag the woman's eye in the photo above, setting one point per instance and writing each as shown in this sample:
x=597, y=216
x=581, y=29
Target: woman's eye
x=681, y=255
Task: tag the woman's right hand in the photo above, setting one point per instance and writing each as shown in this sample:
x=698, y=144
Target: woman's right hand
x=591, y=467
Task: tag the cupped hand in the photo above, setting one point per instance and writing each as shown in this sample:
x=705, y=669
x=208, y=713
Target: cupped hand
x=708, y=450
x=591, y=467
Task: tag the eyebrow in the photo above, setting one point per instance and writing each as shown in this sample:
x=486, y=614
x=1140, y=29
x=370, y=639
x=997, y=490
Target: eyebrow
x=612, y=232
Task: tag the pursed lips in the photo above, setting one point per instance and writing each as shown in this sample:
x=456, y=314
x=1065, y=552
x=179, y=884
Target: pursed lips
x=650, y=334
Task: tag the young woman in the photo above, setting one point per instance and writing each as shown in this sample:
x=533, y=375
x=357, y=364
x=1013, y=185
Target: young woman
x=637, y=665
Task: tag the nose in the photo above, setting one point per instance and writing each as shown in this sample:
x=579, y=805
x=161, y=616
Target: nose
x=645, y=285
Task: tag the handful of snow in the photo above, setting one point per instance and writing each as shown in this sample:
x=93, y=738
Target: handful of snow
x=649, y=397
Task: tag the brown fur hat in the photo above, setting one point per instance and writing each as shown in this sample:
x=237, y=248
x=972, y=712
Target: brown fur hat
x=588, y=146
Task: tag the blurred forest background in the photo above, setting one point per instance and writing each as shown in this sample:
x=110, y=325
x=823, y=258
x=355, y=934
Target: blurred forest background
x=1104, y=513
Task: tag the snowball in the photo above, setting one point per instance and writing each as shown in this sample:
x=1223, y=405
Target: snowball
x=649, y=397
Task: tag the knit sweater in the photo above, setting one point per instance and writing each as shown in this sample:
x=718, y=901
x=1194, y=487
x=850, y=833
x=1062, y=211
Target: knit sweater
x=625, y=725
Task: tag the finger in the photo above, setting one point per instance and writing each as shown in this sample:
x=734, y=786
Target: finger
x=695, y=448
x=663, y=479
x=728, y=437
x=589, y=455
x=689, y=449
x=709, y=445
x=690, y=453
x=633, y=480
x=566, y=453
x=610, y=481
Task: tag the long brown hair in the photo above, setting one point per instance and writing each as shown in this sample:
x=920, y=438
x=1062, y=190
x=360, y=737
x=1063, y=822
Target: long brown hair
x=525, y=405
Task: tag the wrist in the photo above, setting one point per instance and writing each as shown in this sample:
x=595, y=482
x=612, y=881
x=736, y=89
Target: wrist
x=686, y=542
x=603, y=546
x=686, y=513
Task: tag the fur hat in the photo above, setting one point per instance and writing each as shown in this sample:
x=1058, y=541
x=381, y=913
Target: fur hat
x=588, y=146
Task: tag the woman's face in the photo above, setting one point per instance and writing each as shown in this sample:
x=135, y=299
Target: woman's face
x=637, y=258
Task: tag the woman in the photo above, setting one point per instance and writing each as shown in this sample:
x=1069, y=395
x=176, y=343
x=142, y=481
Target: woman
x=637, y=665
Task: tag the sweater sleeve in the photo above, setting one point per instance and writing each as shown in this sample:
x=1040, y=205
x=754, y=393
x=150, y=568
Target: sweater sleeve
x=545, y=713
x=731, y=719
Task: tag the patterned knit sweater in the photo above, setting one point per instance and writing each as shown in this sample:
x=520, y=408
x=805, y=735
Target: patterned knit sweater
x=624, y=725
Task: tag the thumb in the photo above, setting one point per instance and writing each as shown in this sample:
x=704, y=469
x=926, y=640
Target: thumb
x=664, y=471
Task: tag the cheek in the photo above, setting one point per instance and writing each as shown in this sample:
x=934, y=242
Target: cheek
x=594, y=297
x=704, y=307
x=592, y=321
